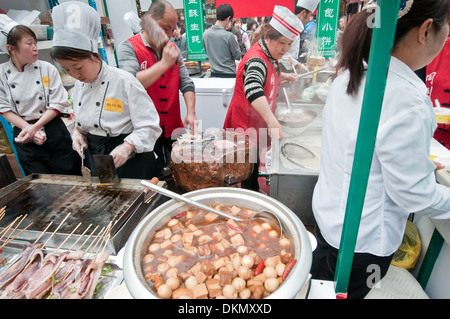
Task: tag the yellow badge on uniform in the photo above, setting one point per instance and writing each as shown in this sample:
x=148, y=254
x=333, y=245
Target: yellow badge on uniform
x=113, y=105
x=46, y=81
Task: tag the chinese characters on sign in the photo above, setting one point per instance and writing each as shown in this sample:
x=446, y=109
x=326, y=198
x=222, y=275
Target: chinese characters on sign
x=327, y=24
x=195, y=21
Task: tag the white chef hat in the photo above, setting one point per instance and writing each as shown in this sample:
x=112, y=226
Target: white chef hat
x=285, y=22
x=6, y=25
x=310, y=5
x=76, y=25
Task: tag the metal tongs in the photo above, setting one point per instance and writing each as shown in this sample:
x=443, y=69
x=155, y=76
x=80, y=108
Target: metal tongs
x=262, y=214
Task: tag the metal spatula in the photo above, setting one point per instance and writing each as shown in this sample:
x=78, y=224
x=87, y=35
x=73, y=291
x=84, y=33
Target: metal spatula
x=86, y=172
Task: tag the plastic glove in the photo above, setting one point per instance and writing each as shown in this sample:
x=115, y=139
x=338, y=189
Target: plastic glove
x=78, y=140
x=121, y=153
x=26, y=135
x=40, y=137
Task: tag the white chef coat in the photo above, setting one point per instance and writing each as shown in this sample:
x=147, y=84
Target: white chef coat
x=31, y=92
x=401, y=180
x=116, y=103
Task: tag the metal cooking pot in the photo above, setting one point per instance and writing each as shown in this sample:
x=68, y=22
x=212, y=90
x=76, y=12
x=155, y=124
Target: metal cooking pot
x=138, y=241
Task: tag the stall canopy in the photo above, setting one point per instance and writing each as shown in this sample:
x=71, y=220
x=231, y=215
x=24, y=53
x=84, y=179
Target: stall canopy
x=247, y=9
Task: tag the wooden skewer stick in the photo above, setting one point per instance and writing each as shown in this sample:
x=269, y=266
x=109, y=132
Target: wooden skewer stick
x=9, y=227
x=42, y=233
x=80, y=237
x=56, y=229
x=81, y=246
x=67, y=237
x=95, y=239
x=6, y=242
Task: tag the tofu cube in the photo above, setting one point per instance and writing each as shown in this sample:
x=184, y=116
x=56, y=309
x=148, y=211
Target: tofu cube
x=210, y=217
x=214, y=288
x=200, y=291
x=237, y=240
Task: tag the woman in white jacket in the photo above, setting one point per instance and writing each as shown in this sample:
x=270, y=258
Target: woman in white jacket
x=113, y=112
x=31, y=98
x=402, y=179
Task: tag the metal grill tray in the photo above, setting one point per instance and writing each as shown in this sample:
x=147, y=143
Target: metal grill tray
x=50, y=198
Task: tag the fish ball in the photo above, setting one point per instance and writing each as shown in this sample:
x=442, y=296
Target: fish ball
x=271, y=284
x=270, y=272
x=173, y=282
x=164, y=291
x=229, y=292
x=238, y=283
x=280, y=269
x=245, y=293
x=248, y=261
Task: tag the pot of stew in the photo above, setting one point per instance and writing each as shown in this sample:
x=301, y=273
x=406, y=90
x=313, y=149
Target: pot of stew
x=183, y=252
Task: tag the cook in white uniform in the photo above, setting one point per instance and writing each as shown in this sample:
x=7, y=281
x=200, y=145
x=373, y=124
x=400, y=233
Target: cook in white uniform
x=31, y=98
x=402, y=179
x=113, y=113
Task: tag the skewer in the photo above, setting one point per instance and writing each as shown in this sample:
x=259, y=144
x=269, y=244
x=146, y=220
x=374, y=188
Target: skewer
x=80, y=237
x=67, y=237
x=98, y=237
x=81, y=246
x=45, y=244
x=95, y=239
x=42, y=233
x=9, y=227
x=6, y=240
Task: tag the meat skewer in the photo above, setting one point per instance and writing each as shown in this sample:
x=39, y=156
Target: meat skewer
x=26, y=258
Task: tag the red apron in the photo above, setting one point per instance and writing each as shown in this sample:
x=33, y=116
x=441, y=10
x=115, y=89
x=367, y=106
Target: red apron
x=164, y=92
x=241, y=114
x=438, y=83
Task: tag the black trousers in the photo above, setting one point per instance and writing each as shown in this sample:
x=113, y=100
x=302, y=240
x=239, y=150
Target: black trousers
x=365, y=268
x=55, y=156
x=140, y=166
x=252, y=183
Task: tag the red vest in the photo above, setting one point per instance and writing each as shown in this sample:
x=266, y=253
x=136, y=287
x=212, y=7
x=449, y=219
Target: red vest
x=438, y=83
x=164, y=92
x=241, y=114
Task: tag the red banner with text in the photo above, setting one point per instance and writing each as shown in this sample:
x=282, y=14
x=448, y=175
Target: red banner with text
x=264, y=8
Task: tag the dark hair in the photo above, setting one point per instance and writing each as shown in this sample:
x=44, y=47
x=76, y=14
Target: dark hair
x=299, y=9
x=67, y=53
x=357, y=37
x=251, y=23
x=17, y=33
x=158, y=8
x=224, y=11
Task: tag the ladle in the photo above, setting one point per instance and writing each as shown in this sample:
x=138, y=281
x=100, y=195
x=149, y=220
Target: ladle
x=261, y=214
x=286, y=97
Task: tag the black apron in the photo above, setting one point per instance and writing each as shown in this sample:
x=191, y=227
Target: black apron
x=140, y=166
x=55, y=156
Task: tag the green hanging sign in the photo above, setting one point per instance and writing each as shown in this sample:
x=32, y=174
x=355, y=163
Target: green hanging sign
x=327, y=25
x=195, y=21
